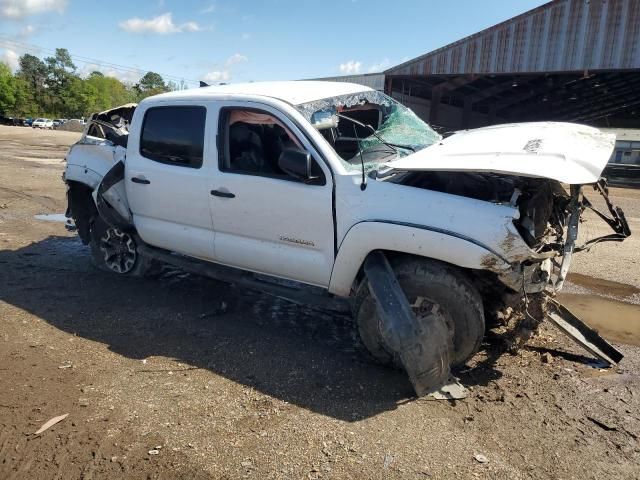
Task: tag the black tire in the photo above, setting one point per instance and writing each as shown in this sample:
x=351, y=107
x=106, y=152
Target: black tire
x=116, y=251
x=428, y=284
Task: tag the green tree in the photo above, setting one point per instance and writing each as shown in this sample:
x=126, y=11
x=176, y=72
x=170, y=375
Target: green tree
x=7, y=90
x=61, y=82
x=151, y=83
x=32, y=72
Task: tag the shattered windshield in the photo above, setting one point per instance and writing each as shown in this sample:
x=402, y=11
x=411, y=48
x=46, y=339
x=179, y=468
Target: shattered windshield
x=368, y=127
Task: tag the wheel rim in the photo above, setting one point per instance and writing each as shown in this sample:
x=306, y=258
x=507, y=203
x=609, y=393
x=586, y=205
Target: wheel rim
x=118, y=250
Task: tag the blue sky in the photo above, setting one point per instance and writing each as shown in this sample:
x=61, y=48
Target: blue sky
x=243, y=40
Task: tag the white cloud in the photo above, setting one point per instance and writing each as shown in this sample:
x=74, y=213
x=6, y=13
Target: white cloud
x=224, y=74
x=191, y=27
x=380, y=66
x=350, y=67
x=235, y=59
x=162, y=24
x=11, y=58
x=18, y=9
x=125, y=76
x=209, y=9
x=27, y=30
x=217, y=76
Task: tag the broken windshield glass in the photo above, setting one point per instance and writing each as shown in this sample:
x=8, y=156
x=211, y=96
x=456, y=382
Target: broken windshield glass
x=368, y=124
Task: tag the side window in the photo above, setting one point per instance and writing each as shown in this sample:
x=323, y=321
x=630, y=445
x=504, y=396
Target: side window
x=252, y=142
x=174, y=135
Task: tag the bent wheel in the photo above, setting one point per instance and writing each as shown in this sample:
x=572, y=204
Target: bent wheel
x=432, y=288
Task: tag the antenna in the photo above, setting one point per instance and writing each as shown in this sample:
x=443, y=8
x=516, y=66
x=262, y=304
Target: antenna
x=363, y=183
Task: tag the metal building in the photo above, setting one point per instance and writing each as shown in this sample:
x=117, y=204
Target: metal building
x=371, y=80
x=568, y=60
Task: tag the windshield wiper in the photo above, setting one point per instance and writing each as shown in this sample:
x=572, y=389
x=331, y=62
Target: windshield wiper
x=394, y=146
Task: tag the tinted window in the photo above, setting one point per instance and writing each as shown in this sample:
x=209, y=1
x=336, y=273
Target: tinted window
x=174, y=135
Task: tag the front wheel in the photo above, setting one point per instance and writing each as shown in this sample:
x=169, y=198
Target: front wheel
x=114, y=250
x=430, y=286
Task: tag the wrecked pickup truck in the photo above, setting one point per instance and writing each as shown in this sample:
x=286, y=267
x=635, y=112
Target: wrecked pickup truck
x=336, y=196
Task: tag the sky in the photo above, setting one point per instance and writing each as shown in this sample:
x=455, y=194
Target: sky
x=241, y=40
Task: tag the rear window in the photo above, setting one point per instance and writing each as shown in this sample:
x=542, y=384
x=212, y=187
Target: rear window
x=174, y=135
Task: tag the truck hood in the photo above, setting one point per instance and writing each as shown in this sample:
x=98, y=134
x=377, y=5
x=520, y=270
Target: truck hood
x=566, y=152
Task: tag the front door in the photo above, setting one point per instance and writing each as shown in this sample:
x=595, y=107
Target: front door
x=265, y=219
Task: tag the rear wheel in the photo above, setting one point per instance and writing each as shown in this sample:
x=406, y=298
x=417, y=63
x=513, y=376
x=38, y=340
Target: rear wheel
x=431, y=287
x=115, y=251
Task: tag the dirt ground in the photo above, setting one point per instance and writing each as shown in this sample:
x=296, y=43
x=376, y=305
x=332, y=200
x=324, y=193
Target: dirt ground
x=159, y=381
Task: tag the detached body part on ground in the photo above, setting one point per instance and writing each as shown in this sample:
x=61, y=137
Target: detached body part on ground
x=327, y=187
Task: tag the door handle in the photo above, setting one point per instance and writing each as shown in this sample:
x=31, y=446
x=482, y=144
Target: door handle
x=218, y=193
x=142, y=181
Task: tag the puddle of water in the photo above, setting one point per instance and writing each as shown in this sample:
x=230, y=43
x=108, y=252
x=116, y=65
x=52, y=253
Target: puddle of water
x=614, y=320
x=603, y=286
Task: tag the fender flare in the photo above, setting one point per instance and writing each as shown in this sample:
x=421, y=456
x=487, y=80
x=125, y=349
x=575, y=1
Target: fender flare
x=420, y=240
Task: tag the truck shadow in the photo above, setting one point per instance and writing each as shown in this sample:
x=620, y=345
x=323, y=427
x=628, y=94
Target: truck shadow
x=304, y=357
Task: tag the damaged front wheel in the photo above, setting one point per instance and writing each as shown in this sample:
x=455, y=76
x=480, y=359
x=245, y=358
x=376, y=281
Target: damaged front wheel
x=432, y=288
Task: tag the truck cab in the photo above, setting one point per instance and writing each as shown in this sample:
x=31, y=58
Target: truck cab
x=304, y=181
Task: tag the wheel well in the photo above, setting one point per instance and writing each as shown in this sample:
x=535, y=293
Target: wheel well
x=82, y=208
x=474, y=276
x=393, y=256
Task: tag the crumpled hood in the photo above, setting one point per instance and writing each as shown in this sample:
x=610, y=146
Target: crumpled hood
x=567, y=152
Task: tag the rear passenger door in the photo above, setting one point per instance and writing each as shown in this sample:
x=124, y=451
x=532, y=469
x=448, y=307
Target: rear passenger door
x=165, y=178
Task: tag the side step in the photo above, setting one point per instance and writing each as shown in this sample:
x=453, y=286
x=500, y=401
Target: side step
x=581, y=333
x=301, y=294
x=424, y=346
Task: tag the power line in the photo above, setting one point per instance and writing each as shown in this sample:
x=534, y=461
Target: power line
x=7, y=42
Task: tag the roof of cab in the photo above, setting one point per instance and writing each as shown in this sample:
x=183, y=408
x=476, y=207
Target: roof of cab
x=293, y=92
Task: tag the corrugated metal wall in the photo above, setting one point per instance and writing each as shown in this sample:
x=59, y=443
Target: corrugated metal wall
x=371, y=80
x=560, y=36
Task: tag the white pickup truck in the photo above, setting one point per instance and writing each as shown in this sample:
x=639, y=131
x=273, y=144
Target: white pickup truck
x=336, y=195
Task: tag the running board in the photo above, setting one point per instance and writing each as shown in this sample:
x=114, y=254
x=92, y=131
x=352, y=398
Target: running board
x=581, y=333
x=295, y=292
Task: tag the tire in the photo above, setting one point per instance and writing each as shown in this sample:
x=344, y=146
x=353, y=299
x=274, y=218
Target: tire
x=428, y=285
x=116, y=251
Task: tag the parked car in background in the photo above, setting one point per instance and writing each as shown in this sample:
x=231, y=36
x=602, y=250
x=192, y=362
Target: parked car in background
x=42, y=123
x=59, y=121
x=10, y=121
x=27, y=122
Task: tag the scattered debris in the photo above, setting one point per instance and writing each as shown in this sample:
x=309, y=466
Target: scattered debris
x=388, y=460
x=454, y=390
x=547, y=358
x=481, y=458
x=51, y=423
x=154, y=452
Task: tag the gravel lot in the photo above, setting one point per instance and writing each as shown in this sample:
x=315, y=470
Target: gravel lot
x=159, y=381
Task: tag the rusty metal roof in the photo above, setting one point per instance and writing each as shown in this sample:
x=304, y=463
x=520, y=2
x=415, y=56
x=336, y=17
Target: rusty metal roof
x=559, y=36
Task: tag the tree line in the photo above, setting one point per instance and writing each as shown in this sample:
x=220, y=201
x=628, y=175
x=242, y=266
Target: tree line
x=53, y=88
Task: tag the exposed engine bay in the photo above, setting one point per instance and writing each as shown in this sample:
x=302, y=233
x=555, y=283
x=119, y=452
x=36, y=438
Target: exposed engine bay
x=549, y=214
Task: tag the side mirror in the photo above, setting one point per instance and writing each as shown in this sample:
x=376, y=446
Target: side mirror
x=297, y=163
